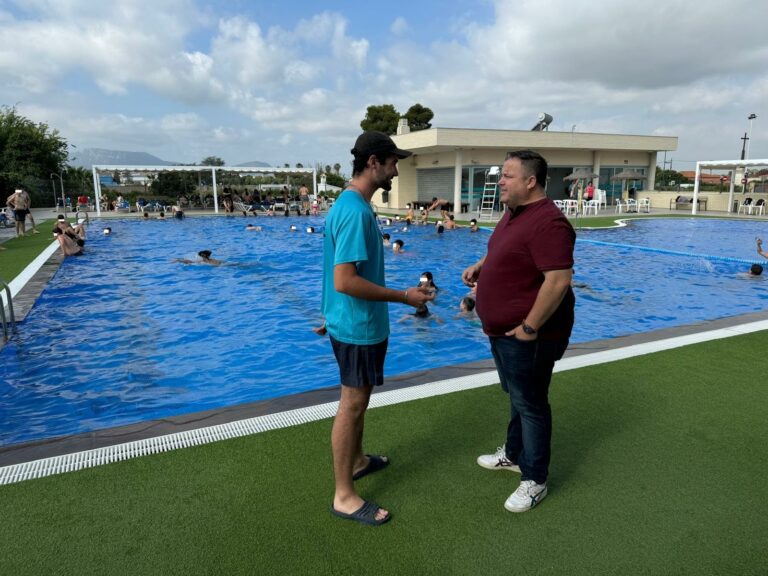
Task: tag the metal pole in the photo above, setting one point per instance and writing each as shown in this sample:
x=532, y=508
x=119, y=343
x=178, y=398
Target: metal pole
x=63, y=199
x=744, y=145
x=750, y=118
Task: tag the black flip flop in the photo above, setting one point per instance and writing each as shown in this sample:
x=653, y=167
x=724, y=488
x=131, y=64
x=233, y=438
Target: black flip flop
x=366, y=514
x=375, y=463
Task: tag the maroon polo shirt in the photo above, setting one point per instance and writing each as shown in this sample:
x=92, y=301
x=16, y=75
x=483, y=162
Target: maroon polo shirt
x=528, y=241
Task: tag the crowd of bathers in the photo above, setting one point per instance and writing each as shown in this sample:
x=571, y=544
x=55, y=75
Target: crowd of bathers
x=402, y=224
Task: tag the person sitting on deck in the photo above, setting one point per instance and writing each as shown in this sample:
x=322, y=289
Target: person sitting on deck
x=71, y=239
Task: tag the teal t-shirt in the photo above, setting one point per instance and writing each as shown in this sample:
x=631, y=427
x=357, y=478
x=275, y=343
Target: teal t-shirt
x=351, y=235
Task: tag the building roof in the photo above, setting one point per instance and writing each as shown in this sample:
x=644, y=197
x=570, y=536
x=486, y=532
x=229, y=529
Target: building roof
x=436, y=140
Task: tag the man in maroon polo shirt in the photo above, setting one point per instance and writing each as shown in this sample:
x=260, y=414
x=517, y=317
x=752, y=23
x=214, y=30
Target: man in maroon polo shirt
x=525, y=302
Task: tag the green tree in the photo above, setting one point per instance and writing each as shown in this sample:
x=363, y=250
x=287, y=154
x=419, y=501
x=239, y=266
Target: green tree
x=29, y=153
x=116, y=177
x=174, y=184
x=383, y=118
x=327, y=169
x=299, y=165
x=337, y=168
x=334, y=180
x=419, y=117
x=78, y=180
x=665, y=177
x=212, y=161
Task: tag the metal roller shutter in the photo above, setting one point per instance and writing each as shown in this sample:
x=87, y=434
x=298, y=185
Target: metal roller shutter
x=434, y=182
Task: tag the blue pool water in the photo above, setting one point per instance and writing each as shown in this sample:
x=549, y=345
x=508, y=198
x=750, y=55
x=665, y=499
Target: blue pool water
x=124, y=334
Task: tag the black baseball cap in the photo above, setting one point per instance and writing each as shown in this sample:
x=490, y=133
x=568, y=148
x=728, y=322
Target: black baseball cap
x=372, y=142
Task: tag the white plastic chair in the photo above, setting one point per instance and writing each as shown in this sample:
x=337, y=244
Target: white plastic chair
x=631, y=205
x=746, y=205
x=602, y=198
x=620, y=205
x=644, y=205
x=759, y=207
x=591, y=206
x=571, y=207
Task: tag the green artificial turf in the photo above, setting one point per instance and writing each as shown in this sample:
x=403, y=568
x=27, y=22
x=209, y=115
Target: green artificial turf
x=19, y=252
x=659, y=467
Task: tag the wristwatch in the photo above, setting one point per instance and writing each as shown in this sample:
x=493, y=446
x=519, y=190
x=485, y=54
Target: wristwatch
x=527, y=329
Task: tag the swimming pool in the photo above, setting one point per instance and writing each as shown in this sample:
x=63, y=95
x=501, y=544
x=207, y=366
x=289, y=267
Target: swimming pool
x=125, y=334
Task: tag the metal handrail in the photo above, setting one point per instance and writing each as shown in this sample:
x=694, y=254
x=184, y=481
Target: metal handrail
x=3, y=318
x=77, y=216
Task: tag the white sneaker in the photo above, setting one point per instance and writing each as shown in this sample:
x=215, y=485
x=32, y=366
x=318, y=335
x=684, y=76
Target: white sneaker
x=498, y=461
x=527, y=495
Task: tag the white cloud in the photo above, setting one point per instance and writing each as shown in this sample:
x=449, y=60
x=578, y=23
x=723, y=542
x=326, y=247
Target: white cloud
x=189, y=74
x=399, y=26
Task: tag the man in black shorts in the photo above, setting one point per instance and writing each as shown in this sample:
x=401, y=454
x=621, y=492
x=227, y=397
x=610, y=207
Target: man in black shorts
x=355, y=308
x=20, y=203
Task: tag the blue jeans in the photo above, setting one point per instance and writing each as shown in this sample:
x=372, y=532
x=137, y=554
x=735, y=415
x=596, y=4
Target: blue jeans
x=525, y=371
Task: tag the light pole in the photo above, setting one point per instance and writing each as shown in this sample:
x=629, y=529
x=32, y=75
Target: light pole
x=63, y=199
x=750, y=118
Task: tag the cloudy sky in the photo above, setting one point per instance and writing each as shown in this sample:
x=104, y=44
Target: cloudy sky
x=289, y=81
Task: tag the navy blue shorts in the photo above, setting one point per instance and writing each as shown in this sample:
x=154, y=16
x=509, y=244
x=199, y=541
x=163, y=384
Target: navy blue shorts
x=360, y=365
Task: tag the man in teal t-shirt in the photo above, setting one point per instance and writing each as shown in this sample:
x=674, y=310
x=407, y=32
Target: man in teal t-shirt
x=352, y=236
x=355, y=308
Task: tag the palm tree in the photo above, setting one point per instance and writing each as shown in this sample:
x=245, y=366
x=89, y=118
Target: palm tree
x=337, y=167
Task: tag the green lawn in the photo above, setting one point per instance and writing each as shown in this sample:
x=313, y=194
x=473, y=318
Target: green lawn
x=659, y=467
x=19, y=252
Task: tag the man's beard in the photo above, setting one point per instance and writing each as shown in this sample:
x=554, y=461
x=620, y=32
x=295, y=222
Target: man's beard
x=386, y=185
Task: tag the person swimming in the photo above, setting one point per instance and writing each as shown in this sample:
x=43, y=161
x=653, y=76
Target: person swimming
x=426, y=279
x=467, y=305
x=204, y=258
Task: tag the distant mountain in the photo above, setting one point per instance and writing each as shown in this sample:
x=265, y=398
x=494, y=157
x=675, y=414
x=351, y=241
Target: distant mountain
x=254, y=164
x=87, y=157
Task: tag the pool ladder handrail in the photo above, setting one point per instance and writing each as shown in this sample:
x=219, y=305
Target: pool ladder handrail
x=577, y=219
x=4, y=285
x=77, y=217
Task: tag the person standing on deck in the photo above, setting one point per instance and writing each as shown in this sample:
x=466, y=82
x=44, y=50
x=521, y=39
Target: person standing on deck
x=354, y=304
x=526, y=305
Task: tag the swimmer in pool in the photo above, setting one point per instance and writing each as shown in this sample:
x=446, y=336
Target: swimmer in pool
x=421, y=313
x=760, y=250
x=204, y=258
x=755, y=271
x=253, y=228
x=427, y=280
